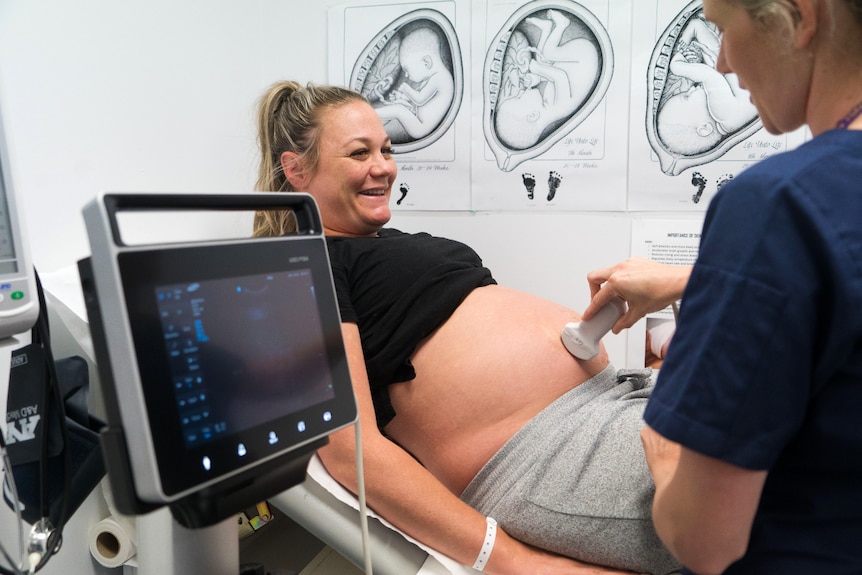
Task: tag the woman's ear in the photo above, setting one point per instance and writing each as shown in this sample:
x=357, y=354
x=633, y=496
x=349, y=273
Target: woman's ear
x=293, y=172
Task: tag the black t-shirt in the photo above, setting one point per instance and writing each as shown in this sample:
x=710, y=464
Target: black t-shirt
x=398, y=288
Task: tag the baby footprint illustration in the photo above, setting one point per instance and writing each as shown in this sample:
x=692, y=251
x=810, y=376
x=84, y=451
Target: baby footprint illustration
x=698, y=180
x=404, y=188
x=723, y=180
x=529, y=183
x=554, y=179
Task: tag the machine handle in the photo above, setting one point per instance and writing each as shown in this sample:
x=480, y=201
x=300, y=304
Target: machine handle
x=303, y=206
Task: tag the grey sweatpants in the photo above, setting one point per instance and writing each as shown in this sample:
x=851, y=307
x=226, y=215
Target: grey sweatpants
x=574, y=479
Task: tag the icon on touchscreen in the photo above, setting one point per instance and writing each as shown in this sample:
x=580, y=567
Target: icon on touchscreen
x=273, y=438
x=327, y=416
x=301, y=426
x=207, y=463
x=241, y=450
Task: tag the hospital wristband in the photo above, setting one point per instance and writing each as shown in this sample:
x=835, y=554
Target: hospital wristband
x=487, y=545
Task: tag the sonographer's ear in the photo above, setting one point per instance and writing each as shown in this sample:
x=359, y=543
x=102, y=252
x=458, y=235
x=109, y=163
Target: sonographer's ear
x=809, y=20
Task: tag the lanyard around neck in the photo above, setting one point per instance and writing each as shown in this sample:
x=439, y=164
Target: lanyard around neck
x=854, y=113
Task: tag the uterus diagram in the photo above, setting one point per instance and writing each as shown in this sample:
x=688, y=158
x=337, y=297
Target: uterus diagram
x=695, y=114
x=545, y=72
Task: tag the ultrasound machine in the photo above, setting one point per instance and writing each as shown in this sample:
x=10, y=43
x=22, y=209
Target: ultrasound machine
x=222, y=367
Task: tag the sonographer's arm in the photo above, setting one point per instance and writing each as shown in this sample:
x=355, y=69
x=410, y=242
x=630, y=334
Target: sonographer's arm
x=411, y=498
x=647, y=286
x=703, y=507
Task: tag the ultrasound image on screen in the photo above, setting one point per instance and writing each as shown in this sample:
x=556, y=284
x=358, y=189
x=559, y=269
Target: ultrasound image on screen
x=243, y=351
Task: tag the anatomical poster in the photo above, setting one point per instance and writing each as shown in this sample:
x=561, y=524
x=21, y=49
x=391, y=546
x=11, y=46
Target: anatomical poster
x=410, y=61
x=693, y=128
x=550, y=100
x=672, y=242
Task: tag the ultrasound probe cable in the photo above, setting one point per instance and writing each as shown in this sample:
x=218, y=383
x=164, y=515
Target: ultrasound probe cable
x=360, y=492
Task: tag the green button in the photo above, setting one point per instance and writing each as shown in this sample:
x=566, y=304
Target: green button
x=17, y=295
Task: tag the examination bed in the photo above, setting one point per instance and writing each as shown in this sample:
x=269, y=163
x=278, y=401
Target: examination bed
x=331, y=513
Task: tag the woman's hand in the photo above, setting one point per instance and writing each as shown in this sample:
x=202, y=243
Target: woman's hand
x=646, y=286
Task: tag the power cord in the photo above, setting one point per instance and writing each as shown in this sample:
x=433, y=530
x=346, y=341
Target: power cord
x=10, y=481
x=44, y=539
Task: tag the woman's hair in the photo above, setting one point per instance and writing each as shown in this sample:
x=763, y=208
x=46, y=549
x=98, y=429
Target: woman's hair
x=289, y=117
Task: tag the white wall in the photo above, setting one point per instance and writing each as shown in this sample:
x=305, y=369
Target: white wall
x=102, y=95
x=109, y=95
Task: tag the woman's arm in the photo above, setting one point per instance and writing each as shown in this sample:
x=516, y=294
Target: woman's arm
x=407, y=495
x=646, y=286
x=703, y=507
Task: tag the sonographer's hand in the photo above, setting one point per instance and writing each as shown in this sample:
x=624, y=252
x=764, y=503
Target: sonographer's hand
x=646, y=286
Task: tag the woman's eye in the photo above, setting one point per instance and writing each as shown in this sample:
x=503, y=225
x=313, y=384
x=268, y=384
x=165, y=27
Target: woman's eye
x=359, y=153
x=386, y=151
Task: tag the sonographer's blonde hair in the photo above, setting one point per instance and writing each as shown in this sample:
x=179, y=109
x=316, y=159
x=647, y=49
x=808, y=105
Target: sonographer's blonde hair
x=787, y=12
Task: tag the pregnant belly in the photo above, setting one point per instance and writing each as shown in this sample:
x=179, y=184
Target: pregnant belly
x=496, y=363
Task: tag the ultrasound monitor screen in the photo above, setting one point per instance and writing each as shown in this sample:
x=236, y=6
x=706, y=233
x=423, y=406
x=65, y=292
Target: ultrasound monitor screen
x=238, y=351
x=243, y=351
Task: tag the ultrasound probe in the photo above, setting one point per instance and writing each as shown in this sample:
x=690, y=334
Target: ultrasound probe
x=582, y=338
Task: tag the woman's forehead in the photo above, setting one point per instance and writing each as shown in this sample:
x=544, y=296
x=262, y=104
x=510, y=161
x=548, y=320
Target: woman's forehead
x=352, y=121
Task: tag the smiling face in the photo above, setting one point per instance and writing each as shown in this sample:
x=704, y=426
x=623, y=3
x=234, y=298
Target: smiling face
x=355, y=171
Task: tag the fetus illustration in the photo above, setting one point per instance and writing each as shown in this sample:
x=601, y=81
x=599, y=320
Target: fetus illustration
x=412, y=75
x=545, y=72
x=695, y=114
